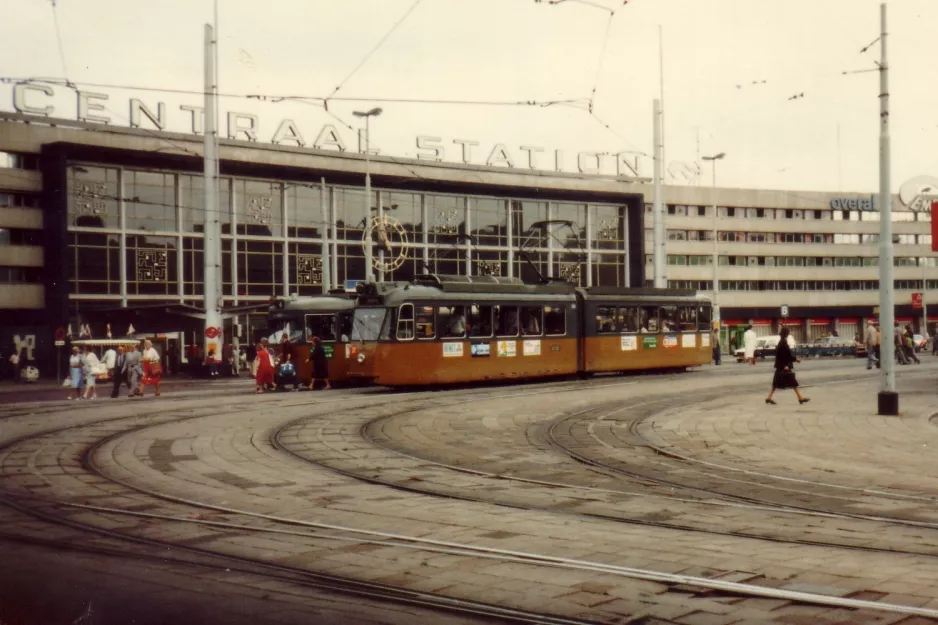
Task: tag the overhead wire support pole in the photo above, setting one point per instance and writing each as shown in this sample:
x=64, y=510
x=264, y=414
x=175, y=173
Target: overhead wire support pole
x=888, y=399
x=657, y=207
x=661, y=96
x=211, y=243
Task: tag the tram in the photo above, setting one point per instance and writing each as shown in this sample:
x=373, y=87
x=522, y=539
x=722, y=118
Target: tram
x=301, y=318
x=459, y=329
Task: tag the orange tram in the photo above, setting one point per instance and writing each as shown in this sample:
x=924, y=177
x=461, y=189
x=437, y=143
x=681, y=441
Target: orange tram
x=301, y=318
x=459, y=329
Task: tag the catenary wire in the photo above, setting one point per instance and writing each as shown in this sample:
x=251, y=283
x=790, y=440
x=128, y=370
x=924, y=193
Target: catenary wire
x=374, y=49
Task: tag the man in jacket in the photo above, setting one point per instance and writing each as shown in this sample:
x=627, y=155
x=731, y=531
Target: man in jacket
x=872, y=343
x=117, y=371
x=133, y=369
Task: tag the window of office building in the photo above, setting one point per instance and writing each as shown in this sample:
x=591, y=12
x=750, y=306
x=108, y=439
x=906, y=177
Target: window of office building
x=93, y=197
x=305, y=207
x=150, y=201
x=152, y=265
x=94, y=263
x=490, y=221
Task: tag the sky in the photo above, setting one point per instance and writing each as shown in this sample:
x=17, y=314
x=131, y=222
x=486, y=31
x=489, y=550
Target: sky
x=734, y=75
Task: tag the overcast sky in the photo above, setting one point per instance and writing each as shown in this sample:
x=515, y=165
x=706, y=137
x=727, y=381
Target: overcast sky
x=522, y=50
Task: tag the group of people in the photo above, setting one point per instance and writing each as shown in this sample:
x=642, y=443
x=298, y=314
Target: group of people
x=122, y=366
x=271, y=373
x=903, y=340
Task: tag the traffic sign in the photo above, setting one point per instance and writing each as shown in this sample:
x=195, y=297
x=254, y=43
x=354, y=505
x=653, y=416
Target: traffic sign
x=60, y=343
x=212, y=332
x=784, y=311
x=917, y=301
x=59, y=335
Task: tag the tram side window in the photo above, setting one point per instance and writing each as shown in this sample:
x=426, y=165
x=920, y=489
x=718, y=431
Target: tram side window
x=480, y=321
x=345, y=326
x=322, y=326
x=629, y=319
x=688, y=317
x=532, y=320
x=605, y=319
x=452, y=322
x=668, y=319
x=555, y=320
x=405, y=323
x=649, y=322
x=703, y=318
x=506, y=320
x=424, y=322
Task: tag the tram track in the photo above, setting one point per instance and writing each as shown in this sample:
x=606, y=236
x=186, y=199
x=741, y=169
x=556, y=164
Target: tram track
x=510, y=500
x=448, y=547
x=319, y=581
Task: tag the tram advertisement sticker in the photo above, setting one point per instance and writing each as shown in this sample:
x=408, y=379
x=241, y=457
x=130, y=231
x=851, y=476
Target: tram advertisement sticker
x=452, y=350
x=670, y=341
x=649, y=342
x=628, y=343
x=532, y=348
x=705, y=340
x=329, y=350
x=480, y=350
x=507, y=349
x=688, y=340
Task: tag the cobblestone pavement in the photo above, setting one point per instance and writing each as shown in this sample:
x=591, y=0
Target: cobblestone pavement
x=619, y=500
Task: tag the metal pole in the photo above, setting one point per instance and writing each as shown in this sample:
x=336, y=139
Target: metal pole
x=213, y=322
x=924, y=303
x=326, y=268
x=369, y=253
x=658, y=214
x=661, y=94
x=716, y=258
x=888, y=399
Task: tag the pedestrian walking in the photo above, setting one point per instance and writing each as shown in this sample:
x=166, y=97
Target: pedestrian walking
x=872, y=345
x=749, y=344
x=784, y=376
x=716, y=346
x=908, y=340
x=118, y=375
x=133, y=371
x=320, y=365
x=89, y=365
x=75, y=371
x=265, y=369
x=899, y=343
x=286, y=373
x=152, y=369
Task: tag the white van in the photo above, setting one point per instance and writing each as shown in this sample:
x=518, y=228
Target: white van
x=765, y=346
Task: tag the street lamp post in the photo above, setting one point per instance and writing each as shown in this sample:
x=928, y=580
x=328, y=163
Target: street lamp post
x=713, y=197
x=369, y=253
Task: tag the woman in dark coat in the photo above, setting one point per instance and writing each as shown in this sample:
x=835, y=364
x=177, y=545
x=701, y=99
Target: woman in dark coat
x=784, y=369
x=320, y=365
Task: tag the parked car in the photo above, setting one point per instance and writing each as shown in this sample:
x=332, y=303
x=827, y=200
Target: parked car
x=830, y=346
x=765, y=347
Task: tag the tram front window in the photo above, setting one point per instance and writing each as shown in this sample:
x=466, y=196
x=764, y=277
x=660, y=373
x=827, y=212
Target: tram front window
x=367, y=323
x=277, y=327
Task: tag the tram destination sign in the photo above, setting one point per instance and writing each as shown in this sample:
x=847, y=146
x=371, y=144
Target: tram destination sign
x=37, y=98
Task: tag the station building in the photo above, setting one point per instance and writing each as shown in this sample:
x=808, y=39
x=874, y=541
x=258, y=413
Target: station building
x=102, y=227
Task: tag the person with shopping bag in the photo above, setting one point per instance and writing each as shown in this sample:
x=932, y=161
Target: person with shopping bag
x=784, y=376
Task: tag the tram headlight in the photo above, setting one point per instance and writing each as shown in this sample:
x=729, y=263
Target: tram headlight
x=361, y=358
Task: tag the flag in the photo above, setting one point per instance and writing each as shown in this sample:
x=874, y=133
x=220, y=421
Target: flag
x=130, y=330
x=109, y=330
x=69, y=330
x=84, y=331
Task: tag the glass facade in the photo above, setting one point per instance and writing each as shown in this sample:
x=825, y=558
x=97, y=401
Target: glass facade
x=137, y=234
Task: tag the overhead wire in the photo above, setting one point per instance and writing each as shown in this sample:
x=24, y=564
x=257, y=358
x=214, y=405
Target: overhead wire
x=58, y=37
x=373, y=50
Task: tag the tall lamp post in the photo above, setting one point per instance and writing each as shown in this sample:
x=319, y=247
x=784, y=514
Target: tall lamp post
x=713, y=197
x=369, y=253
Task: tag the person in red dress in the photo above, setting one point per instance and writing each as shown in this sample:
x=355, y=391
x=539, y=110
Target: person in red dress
x=265, y=369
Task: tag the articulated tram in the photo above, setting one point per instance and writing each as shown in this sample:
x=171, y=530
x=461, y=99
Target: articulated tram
x=459, y=329
x=301, y=318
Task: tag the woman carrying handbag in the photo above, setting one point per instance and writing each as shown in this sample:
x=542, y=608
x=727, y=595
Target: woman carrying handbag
x=784, y=370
